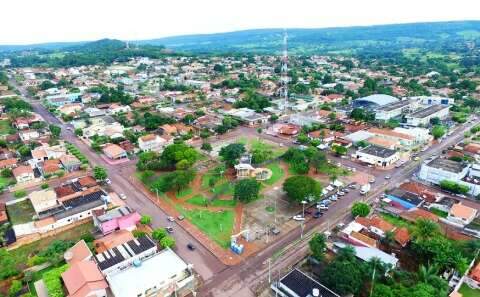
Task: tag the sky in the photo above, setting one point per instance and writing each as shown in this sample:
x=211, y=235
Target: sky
x=36, y=21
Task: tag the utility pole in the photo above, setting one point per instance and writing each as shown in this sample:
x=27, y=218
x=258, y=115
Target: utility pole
x=269, y=270
x=284, y=72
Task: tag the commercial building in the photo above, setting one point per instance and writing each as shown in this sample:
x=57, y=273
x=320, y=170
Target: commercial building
x=151, y=142
x=163, y=274
x=440, y=169
x=298, y=284
x=392, y=110
x=377, y=156
x=423, y=116
x=374, y=101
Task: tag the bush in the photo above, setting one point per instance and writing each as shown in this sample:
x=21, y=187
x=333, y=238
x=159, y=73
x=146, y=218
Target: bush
x=146, y=220
x=167, y=241
x=360, y=209
x=246, y=190
x=44, y=186
x=453, y=187
x=15, y=287
x=138, y=233
x=52, y=280
x=20, y=194
x=36, y=260
x=159, y=234
x=7, y=172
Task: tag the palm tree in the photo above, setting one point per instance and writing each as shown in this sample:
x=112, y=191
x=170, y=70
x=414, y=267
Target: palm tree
x=389, y=238
x=425, y=274
x=425, y=229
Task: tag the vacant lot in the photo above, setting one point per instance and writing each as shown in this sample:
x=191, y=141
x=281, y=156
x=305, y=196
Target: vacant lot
x=21, y=212
x=24, y=252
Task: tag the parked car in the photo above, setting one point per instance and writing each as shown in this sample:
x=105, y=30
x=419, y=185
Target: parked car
x=345, y=190
x=123, y=196
x=322, y=207
x=387, y=176
x=333, y=198
x=298, y=218
x=108, y=181
x=171, y=219
x=317, y=214
x=372, y=180
x=169, y=229
x=340, y=193
x=180, y=218
x=191, y=247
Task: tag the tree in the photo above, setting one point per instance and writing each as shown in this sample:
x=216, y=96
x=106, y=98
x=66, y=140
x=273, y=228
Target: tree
x=360, y=209
x=339, y=150
x=438, y=131
x=7, y=262
x=318, y=160
x=206, y=147
x=246, y=190
x=79, y=132
x=100, y=173
x=146, y=220
x=15, y=288
x=7, y=172
x=174, y=154
x=382, y=290
x=231, y=153
x=159, y=234
x=344, y=274
x=24, y=150
x=454, y=187
x=55, y=130
x=425, y=229
x=167, y=242
x=299, y=188
x=176, y=180
x=318, y=246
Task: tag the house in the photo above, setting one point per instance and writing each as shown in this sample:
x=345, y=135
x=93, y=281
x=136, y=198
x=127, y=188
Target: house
x=125, y=255
x=79, y=252
x=248, y=116
x=368, y=253
x=94, y=112
x=70, y=163
x=122, y=218
x=298, y=284
x=248, y=171
x=43, y=200
x=151, y=142
x=473, y=278
x=3, y=214
x=49, y=167
x=461, y=214
x=114, y=151
x=116, y=109
x=288, y=129
x=28, y=135
x=112, y=240
x=168, y=129
x=83, y=279
x=404, y=140
x=8, y=163
x=404, y=199
x=174, y=278
x=70, y=109
x=376, y=225
x=23, y=174
x=426, y=193
x=377, y=156
x=62, y=99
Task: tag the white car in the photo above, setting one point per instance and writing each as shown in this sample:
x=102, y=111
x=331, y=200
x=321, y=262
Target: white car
x=123, y=196
x=171, y=219
x=298, y=218
x=341, y=193
x=108, y=181
x=372, y=181
x=322, y=207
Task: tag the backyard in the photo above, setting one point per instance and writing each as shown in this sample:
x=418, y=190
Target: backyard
x=23, y=253
x=21, y=212
x=5, y=127
x=466, y=291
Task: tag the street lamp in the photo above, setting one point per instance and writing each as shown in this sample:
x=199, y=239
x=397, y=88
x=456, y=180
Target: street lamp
x=303, y=208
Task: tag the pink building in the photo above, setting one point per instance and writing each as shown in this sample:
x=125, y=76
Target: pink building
x=122, y=218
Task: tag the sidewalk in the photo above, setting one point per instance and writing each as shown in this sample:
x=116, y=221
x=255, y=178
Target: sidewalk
x=225, y=256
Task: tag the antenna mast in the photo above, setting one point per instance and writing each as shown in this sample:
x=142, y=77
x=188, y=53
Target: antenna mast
x=284, y=71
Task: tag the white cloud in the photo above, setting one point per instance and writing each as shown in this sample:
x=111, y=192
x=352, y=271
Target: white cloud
x=31, y=21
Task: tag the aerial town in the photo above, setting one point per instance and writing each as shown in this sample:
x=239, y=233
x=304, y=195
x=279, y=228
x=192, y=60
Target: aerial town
x=239, y=175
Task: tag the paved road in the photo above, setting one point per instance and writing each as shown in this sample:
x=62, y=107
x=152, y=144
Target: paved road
x=206, y=264
x=240, y=280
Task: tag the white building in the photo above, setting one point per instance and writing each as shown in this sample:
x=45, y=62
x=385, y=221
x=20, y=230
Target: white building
x=461, y=214
x=392, y=110
x=377, y=156
x=439, y=169
x=423, y=116
x=421, y=135
x=151, y=142
x=163, y=274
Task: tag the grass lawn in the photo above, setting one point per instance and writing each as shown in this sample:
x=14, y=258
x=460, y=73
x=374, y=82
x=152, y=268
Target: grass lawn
x=22, y=253
x=277, y=151
x=216, y=225
x=397, y=221
x=199, y=200
x=277, y=173
x=439, y=212
x=21, y=212
x=183, y=193
x=333, y=170
x=466, y=291
x=225, y=188
x=4, y=181
x=5, y=127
